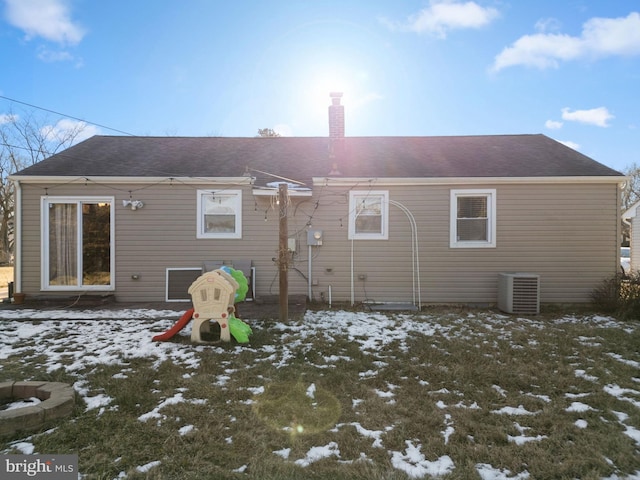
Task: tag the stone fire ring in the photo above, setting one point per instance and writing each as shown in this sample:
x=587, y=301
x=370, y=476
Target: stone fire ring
x=58, y=400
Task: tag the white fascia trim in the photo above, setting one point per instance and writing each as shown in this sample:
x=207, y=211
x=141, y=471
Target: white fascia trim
x=360, y=181
x=322, y=181
x=631, y=212
x=129, y=180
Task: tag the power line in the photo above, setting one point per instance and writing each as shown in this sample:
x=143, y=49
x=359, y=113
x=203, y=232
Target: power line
x=68, y=116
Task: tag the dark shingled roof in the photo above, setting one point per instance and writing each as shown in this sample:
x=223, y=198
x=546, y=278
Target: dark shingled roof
x=302, y=158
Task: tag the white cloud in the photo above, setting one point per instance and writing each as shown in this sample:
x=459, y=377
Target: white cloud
x=51, y=56
x=539, y=50
x=596, y=116
x=66, y=128
x=553, y=124
x=8, y=118
x=547, y=25
x=48, y=55
x=570, y=144
x=444, y=15
x=613, y=36
x=48, y=19
x=601, y=37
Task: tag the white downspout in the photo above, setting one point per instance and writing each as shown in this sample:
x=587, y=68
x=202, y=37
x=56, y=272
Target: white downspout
x=17, y=237
x=353, y=293
x=309, y=275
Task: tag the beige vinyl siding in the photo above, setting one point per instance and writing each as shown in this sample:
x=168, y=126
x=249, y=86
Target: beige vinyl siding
x=634, y=243
x=161, y=235
x=170, y=242
x=567, y=233
x=31, y=253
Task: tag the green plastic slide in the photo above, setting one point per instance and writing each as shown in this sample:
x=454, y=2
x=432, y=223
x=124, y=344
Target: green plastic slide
x=239, y=330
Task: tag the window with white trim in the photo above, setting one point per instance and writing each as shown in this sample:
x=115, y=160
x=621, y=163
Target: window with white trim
x=368, y=215
x=219, y=214
x=473, y=218
x=77, y=243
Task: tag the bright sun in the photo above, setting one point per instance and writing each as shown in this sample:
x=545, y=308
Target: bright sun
x=313, y=87
x=324, y=81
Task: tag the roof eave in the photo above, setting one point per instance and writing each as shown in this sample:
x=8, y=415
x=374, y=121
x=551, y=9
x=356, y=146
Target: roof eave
x=632, y=211
x=39, y=179
x=343, y=181
x=323, y=181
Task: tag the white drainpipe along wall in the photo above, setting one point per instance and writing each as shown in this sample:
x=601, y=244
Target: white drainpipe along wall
x=17, y=238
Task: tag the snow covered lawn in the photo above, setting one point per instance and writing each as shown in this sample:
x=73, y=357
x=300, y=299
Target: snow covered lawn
x=455, y=394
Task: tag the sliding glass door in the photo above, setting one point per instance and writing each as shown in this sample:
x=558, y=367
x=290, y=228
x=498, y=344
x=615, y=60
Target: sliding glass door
x=77, y=241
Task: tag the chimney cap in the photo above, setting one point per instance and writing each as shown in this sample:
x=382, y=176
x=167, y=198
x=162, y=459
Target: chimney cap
x=335, y=98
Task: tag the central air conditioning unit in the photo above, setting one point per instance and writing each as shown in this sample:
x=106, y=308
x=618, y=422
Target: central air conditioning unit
x=519, y=293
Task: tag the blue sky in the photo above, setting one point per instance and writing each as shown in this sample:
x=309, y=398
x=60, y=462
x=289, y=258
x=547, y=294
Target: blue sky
x=569, y=69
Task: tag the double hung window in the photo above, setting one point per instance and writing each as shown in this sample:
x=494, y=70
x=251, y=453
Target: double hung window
x=219, y=214
x=473, y=222
x=368, y=215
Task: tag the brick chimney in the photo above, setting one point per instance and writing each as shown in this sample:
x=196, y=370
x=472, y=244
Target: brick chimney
x=336, y=116
x=336, y=132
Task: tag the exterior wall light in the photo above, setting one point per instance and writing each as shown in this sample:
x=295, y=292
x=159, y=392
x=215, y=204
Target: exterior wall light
x=134, y=204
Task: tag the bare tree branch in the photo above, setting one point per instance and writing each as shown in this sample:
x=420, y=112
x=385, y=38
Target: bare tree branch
x=26, y=139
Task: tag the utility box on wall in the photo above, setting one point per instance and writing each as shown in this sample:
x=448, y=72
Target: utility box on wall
x=519, y=293
x=314, y=237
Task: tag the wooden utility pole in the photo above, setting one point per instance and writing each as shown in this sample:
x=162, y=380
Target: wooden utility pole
x=283, y=258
